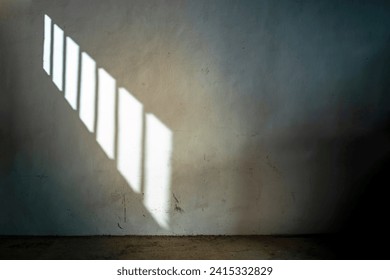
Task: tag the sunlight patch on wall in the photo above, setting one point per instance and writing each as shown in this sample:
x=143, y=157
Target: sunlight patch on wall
x=87, y=91
x=158, y=152
x=105, y=131
x=130, y=123
x=58, y=56
x=72, y=71
x=47, y=45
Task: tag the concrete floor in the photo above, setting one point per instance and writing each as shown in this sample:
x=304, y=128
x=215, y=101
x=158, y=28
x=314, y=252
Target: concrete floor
x=158, y=247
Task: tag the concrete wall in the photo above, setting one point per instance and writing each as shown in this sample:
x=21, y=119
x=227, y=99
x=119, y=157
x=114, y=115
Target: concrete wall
x=258, y=117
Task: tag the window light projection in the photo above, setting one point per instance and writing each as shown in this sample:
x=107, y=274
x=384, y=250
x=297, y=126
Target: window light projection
x=138, y=141
x=87, y=91
x=58, y=56
x=47, y=45
x=71, y=72
x=158, y=166
x=130, y=123
x=105, y=131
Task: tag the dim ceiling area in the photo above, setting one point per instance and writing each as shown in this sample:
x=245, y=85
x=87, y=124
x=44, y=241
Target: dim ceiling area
x=188, y=118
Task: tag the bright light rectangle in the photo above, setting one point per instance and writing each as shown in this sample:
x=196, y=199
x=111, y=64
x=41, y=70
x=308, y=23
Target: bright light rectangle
x=105, y=131
x=47, y=45
x=157, y=169
x=130, y=118
x=71, y=72
x=87, y=91
x=58, y=56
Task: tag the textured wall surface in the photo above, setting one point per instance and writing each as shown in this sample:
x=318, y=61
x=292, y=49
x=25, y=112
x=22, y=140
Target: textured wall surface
x=271, y=113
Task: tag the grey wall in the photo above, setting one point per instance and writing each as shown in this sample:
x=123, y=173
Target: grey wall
x=278, y=111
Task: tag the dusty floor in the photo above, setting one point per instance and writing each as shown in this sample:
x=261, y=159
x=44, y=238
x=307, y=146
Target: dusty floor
x=157, y=247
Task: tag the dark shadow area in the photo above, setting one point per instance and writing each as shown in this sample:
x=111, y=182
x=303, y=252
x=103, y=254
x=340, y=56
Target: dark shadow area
x=321, y=148
x=6, y=117
x=358, y=155
x=364, y=233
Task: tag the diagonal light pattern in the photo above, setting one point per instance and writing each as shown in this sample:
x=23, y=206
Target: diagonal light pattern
x=139, y=142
